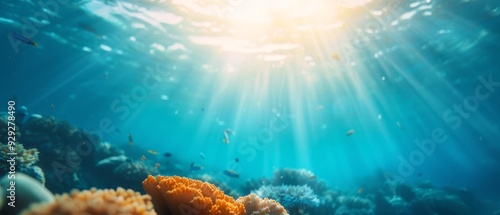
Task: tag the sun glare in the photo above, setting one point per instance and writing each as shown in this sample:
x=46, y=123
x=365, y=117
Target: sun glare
x=264, y=11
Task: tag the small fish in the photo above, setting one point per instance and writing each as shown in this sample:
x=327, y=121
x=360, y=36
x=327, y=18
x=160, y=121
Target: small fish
x=399, y=125
x=106, y=76
x=227, y=132
x=118, y=131
x=202, y=155
x=23, y=38
x=336, y=56
x=237, y=160
x=90, y=29
x=157, y=165
x=167, y=154
x=130, y=141
x=143, y=158
x=231, y=173
x=52, y=107
x=194, y=167
x=153, y=152
x=349, y=132
x=226, y=138
x=360, y=190
x=419, y=174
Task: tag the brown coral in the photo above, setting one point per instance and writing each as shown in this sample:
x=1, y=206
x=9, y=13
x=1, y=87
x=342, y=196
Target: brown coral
x=178, y=195
x=97, y=202
x=254, y=205
x=24, y=157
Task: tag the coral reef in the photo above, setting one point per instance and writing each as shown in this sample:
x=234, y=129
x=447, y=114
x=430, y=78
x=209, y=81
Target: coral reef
x=405, y=192
x=51, y=127
x=99, y=202
x=354, y=205
x=176, y=195
x=27, y=191
x=35, y=172
x=396, y=203
x=289, y=195
x=254, y=184
x=254, y=205
x=72, y=158
x=67, y=154
x=290, y=176
x=434, y=201
x=24, y=157
x=25, y=160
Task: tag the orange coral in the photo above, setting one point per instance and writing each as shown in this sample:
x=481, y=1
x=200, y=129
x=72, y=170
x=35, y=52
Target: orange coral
x=178, y=195
x=97, y=202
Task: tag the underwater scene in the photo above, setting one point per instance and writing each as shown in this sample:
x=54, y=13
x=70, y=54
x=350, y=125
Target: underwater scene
x=250, y=107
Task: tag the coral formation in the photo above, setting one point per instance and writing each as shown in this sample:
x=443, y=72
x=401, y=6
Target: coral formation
x=396, y=203
x=51, y=127
x=354, y=205
x=434, y=201
x=25, y=161
x=289, y=195
x=254, y=184
x=254, y=205
x=66, y=153
x=405, y=192
x=36, y=172
x=24, y=157
x=100, y=202
x=290, y=176
x=177, y=195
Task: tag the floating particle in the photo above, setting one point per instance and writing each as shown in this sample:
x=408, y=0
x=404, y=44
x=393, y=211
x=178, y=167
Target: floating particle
x=350, y=132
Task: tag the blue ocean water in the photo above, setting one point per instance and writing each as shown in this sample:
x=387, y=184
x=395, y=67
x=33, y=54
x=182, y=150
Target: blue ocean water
x=346, y=90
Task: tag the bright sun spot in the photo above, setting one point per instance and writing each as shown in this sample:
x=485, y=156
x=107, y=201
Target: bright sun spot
x=270, y=12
